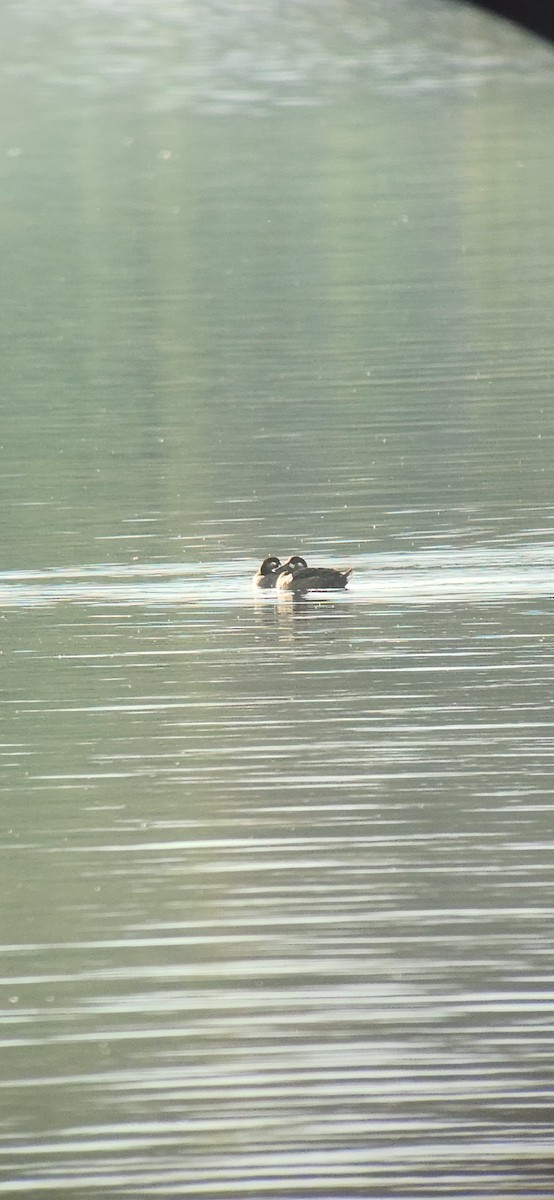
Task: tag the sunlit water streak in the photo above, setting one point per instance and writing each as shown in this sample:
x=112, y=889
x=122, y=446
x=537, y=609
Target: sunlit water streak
x=432, y=576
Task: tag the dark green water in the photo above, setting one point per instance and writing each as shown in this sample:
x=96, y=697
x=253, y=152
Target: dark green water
x=277, y=878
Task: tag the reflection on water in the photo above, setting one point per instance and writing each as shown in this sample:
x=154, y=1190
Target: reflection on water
x=251, y=57
x=277, y=876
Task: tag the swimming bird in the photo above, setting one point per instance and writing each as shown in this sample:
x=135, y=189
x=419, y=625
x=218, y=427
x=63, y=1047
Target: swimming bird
x=267, y=574
x=296, y=576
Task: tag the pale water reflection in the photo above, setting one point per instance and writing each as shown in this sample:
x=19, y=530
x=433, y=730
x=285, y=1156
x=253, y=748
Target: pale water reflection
x=277, y=877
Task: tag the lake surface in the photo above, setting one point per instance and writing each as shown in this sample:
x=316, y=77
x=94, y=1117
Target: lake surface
x=277, y=877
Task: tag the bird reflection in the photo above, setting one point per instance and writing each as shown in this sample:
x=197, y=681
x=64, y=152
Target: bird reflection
x=300, y=616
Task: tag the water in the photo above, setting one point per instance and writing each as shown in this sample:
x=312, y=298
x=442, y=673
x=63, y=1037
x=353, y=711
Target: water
x=277, y=876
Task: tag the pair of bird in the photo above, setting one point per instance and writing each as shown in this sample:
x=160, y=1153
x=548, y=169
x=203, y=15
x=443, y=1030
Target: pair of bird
x=296, y=576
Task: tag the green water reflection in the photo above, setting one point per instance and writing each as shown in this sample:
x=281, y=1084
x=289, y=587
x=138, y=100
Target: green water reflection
x=244, y=326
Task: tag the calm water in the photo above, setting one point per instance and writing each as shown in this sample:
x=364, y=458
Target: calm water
x=277, y=878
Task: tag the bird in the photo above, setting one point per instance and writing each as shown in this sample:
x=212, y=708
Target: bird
x=267, y=574
x=296, y=576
